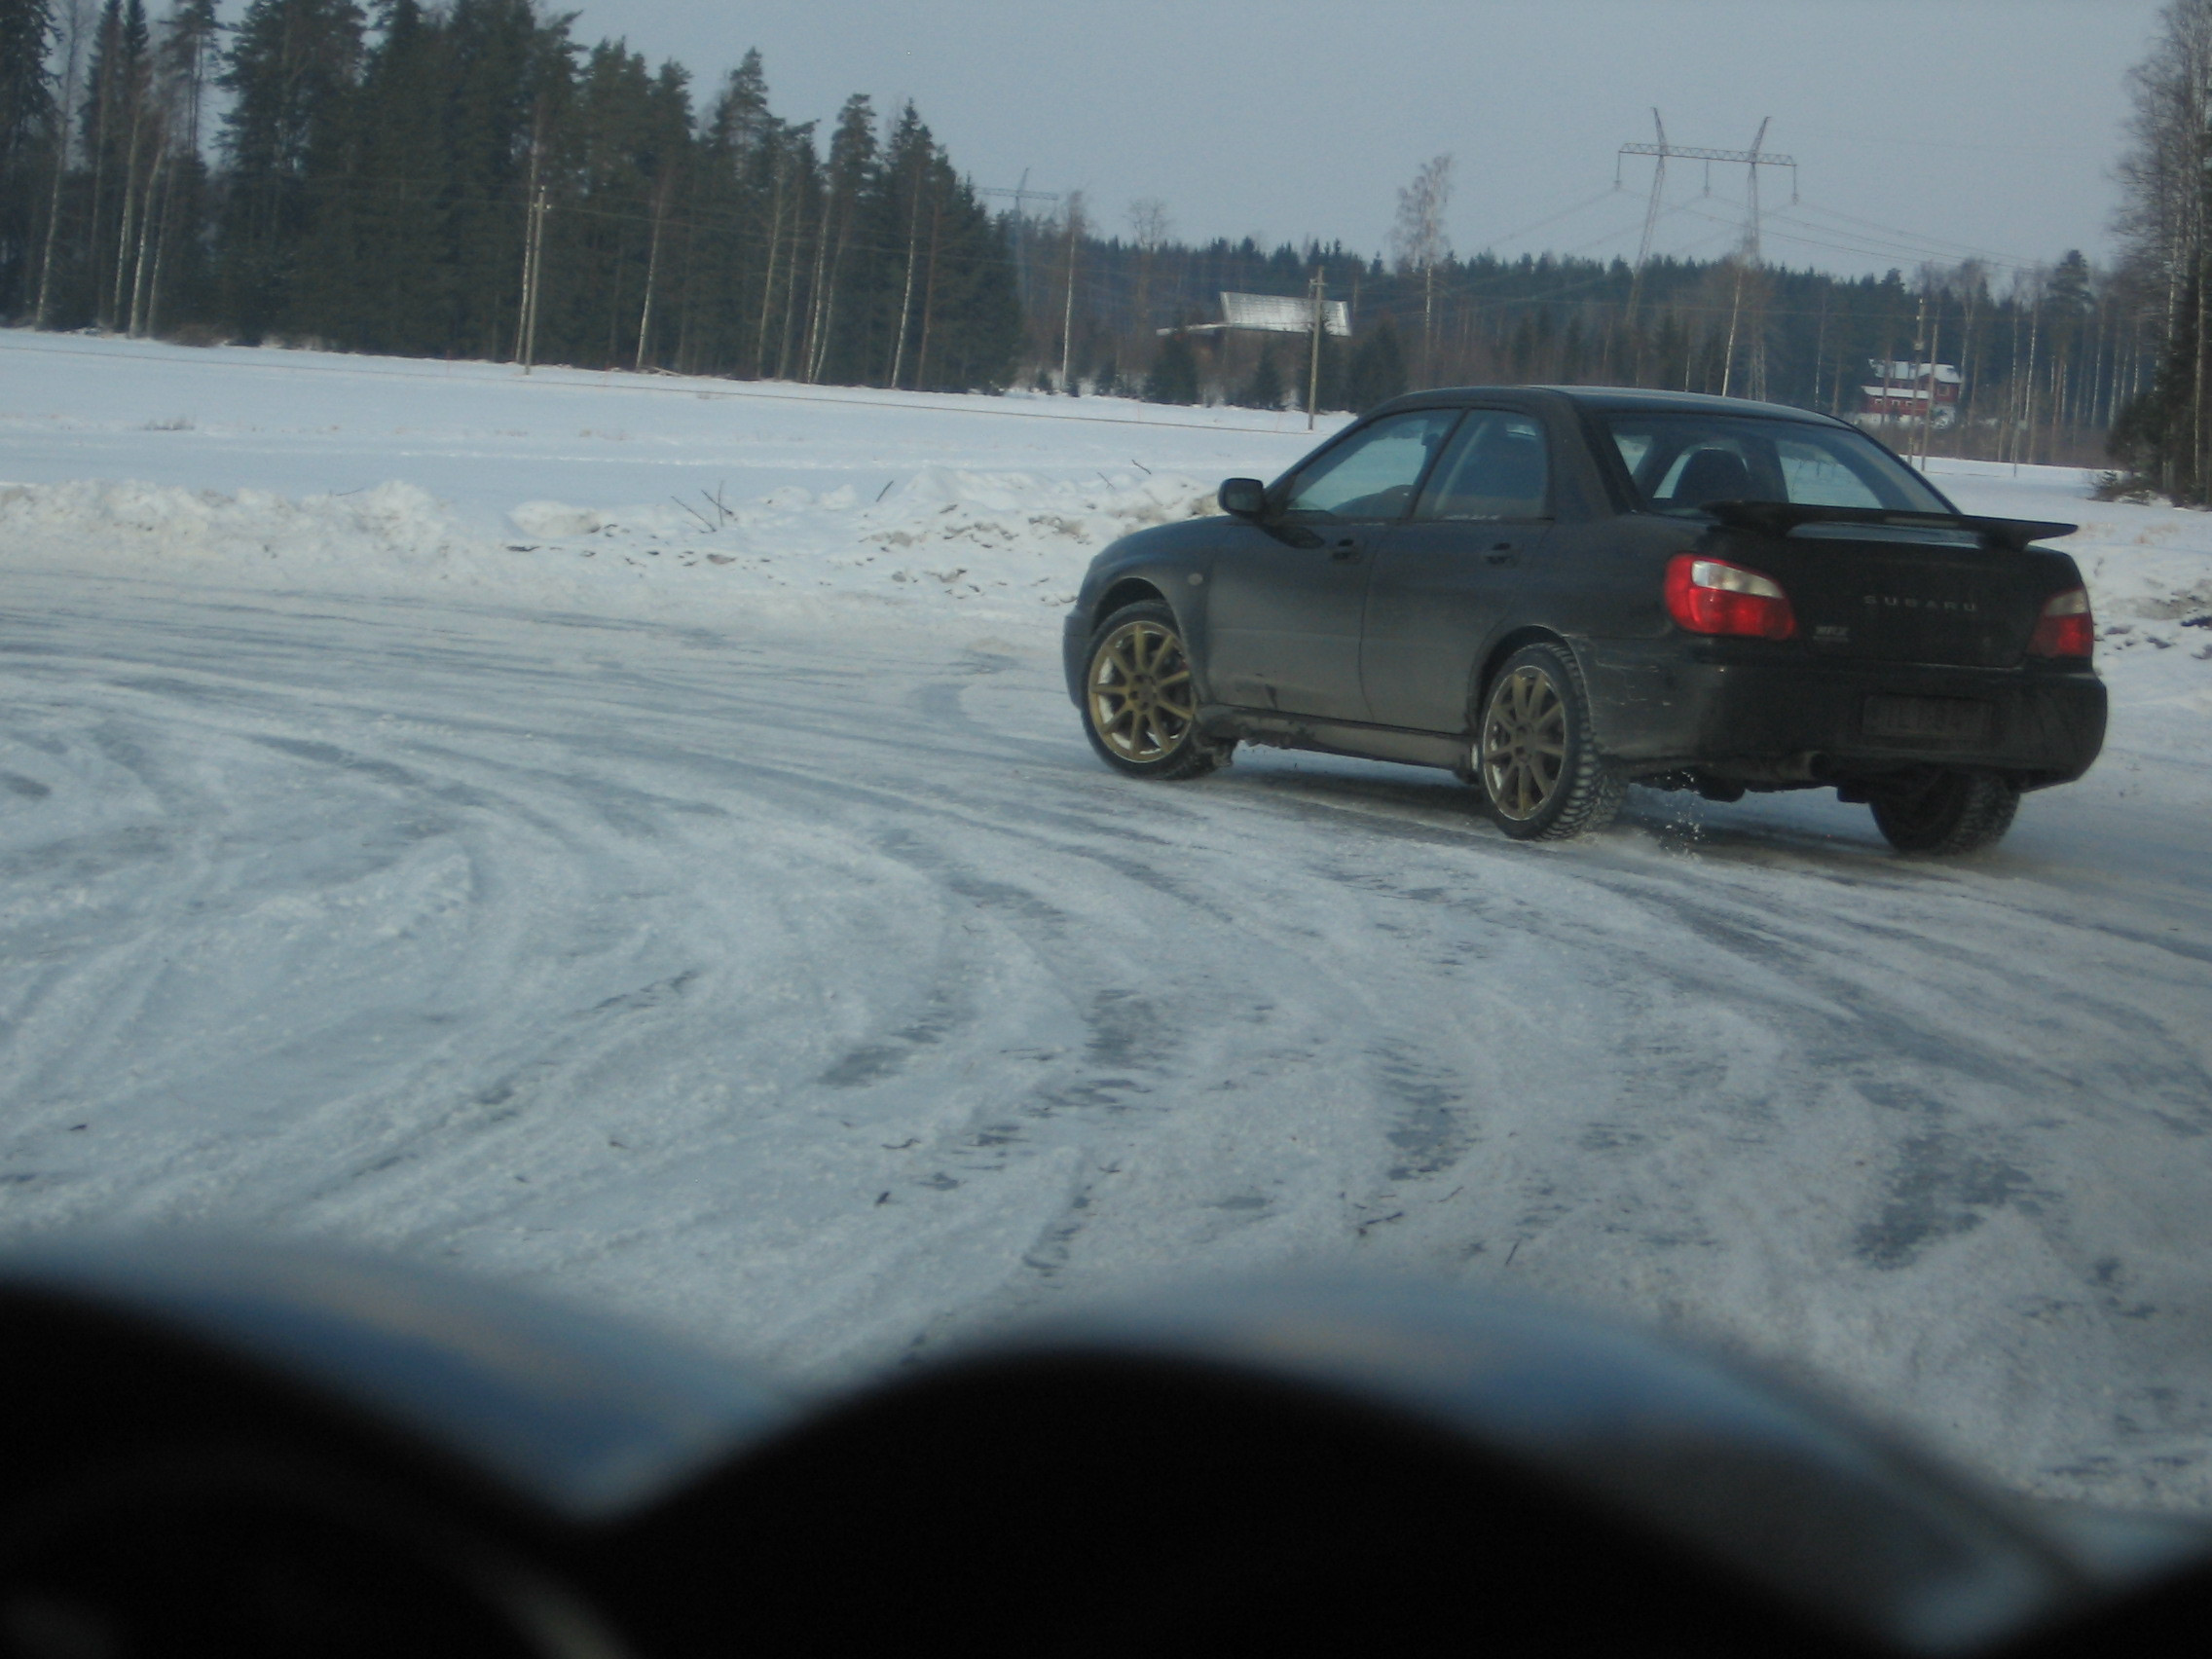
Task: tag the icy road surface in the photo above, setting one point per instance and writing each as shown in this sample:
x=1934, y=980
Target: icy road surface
x=792, y=975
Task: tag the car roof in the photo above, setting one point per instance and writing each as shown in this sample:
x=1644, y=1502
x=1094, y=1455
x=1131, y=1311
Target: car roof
x=1615, y=399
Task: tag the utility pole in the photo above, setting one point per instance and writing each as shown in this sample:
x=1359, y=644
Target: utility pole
x=1821, y=350
x=1919, y=440
x=1925, y=348
x=533, y=264
x=1735, y=310
x=1319, y=290
x=1889, y=367
x=1934, y=350
x=1067, y=320
x=652, y=262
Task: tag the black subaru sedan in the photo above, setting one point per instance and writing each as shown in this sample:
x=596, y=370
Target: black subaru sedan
x=1554, y=592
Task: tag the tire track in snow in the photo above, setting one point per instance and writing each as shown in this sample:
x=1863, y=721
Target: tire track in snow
x=826, y=994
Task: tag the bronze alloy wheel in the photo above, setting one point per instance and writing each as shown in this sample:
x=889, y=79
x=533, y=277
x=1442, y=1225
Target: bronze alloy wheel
x=1524, y=742
x=1142, y=706
x=1534, y=754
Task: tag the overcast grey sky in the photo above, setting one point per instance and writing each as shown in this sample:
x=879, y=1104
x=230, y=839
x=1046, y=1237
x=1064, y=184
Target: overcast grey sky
x=1988, y=126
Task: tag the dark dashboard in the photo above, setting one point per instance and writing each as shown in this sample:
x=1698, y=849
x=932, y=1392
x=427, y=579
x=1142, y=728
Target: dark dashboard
x=214, y=1447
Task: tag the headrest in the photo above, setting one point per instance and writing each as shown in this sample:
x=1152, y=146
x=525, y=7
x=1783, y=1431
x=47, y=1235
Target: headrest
x=1713, y=475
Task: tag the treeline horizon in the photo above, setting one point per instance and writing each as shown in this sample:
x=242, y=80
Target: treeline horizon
x=2050, y=357
x=466, y=180
x=2163, y=440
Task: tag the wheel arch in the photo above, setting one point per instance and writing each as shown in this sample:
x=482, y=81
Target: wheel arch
x=1493, y=659
x=1128, y=590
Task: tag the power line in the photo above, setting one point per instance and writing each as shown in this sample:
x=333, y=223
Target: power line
x=1834, y=241
x=1966, y=248
x=1552, y=219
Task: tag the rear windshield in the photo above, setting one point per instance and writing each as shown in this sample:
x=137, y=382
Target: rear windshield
x=1680, y=461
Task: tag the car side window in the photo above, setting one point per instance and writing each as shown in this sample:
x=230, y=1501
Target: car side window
x=1374, y=475
x=1818, y=476
x=1496, y=468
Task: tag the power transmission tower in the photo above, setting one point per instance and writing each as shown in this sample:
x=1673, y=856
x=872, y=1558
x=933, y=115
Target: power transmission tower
x=1021, y=196
x=1752, y=160
x=1661, y=151
x=1757, y=161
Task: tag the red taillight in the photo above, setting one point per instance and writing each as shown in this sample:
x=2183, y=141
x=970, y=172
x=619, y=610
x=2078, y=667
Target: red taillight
x=2065, y=629
x=1710, y=596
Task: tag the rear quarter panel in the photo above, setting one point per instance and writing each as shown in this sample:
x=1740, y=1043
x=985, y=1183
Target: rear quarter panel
x=1599, y=586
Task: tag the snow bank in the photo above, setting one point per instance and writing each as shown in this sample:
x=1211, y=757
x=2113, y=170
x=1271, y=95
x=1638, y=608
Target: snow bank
x=2149, y=572
x=394, y=529
x=940, y=542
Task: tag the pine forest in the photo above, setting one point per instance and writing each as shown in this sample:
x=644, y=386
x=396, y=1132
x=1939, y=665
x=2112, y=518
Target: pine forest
x=468, y=180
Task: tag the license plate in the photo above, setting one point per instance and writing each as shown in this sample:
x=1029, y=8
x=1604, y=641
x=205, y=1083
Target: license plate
x=1942, y=719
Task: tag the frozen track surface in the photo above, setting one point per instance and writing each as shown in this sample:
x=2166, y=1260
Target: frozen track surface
x=829, y=998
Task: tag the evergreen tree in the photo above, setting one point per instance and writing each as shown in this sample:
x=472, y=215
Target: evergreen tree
x=1174, y=377
x=740, y=154
x=898, y=225
x=27, y=84
x=2067, y=299
x=510, y=78
x=1265, y=389
x=28, y=128
x=112, y=81
x=1377, y=368
x=970, y=318
x=833, y=295
x=400, y=294
x=665, y=163
x=793, y=195
x=291, y=72
x=188, y=56
x=615, y=136
x=135, y=120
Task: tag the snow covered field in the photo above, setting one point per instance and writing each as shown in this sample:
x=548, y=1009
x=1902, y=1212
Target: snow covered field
x=626, y=834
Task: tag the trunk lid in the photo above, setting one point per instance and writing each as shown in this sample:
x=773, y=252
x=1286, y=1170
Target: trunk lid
x=1902, y=587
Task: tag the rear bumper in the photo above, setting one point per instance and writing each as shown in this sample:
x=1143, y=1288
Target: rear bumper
x=1657, y=708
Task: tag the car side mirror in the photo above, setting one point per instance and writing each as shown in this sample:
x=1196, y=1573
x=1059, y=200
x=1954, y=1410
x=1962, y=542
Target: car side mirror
x=1243, y=497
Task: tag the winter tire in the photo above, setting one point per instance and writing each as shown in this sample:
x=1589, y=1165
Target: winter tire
x=1945, y=812
x=1140, y=707
x=1536, y=760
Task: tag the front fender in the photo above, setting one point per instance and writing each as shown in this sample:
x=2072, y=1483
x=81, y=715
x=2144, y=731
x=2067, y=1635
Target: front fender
x=1172, y=563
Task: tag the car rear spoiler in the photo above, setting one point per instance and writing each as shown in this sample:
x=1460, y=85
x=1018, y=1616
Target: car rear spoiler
x=1779, y=518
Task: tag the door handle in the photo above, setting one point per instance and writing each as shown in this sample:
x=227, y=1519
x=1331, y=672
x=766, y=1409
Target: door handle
x=1501, y=553
x=1501, y=559
x=1345, y=550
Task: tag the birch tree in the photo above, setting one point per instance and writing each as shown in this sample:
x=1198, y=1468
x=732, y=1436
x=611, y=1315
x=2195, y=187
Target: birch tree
x=1420, y=244
x=2166, y=180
